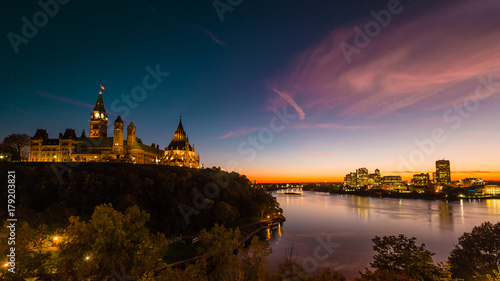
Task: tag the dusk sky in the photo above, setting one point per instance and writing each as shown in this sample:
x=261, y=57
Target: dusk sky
x=282, y=91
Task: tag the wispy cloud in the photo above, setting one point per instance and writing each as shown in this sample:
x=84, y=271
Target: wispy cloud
x=313, y=155
x=239, y=132
x=212, y=36
x=65, y=100
x=290, y=100
x=334, y=126
x=426, y=62
x=24, y=112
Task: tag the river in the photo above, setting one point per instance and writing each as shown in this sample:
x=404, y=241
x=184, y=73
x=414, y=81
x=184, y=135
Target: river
x=345, y=225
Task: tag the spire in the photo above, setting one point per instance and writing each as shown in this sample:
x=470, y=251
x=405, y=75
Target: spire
x=119, y=119
x=180, y=133
x=99, y=105
x=83, y=134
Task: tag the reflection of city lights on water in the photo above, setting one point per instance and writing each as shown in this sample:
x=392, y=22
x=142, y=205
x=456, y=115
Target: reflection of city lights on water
x=462, y=210
x=268, y=234
x=493, y=206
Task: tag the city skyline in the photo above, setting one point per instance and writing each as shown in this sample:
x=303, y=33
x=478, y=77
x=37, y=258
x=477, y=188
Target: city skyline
x=281, y=92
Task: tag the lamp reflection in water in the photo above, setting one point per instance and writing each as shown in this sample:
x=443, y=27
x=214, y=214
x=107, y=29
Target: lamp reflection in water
x=493, y=206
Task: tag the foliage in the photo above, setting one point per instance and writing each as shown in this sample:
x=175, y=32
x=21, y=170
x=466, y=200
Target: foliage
x=400, y=256
x=17, y=145
x=495, y=276
x=477, y=252
x=52, y=192
x=111, y=242
x=31, y=255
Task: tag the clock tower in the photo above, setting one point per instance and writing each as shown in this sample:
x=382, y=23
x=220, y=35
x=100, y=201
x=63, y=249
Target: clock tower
x=98, y=119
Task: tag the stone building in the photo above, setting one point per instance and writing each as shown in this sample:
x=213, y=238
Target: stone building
x=121, y=147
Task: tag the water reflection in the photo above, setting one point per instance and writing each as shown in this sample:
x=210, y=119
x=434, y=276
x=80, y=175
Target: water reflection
x=445, y=215
x=352, y=221
x=360, y=207
x=493, y=206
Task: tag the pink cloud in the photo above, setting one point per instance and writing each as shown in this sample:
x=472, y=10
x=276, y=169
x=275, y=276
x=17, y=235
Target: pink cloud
x=429, y=62
x=212, y=36
x=290, y=100
x=239, y=132
x=334, y=126
x=313, y=155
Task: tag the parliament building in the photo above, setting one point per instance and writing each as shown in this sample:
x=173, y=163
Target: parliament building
x=99, y=147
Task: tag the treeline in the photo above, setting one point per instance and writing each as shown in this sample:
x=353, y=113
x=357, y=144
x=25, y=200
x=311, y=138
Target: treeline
x=179, y=199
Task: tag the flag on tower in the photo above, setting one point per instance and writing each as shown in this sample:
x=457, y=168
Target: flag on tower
x=102, y=87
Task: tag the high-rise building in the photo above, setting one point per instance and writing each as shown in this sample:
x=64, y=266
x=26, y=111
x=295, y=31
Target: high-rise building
x=443, y=174
x=362, y=176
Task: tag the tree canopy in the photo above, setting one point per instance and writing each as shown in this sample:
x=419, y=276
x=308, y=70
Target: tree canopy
x=17, y=145
x=477, y=253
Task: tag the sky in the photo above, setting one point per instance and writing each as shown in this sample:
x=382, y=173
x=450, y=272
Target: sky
x=281, y=91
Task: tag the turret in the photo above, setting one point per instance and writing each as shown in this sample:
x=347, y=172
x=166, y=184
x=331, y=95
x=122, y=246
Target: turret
x=130, y=135
x=118, y=136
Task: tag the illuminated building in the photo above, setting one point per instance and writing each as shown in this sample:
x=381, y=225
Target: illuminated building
x=179, y=152
x=99, y=147
x=467, y=182
x=443, y=174
x=421, y=179
x=374, y=179
x=491, y=189
x=350, y=180
x=362, y=176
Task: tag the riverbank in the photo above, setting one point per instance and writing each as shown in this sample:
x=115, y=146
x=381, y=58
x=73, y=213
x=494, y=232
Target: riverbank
x=381, y=193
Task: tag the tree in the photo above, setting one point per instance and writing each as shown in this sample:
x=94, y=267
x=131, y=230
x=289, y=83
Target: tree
x=18, y=144
x=218, y=246
x=253, y=260
x=329, y=274
x=31, y=256
x=110, y=243
x=477, y=253
x=401, y=256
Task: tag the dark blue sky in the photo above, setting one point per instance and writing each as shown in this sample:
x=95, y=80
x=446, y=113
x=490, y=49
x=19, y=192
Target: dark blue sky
x=221, y=73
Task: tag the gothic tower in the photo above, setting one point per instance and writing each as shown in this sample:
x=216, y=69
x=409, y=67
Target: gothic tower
x=118, y=136
x=99, y=120
x=179, y=152
x=130, y=135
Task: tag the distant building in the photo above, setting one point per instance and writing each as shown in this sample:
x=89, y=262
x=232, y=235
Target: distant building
x=443, y=174
x=467, y=182
x=350, y=180
x=362, y=176
x=374, y=179
x=421, y=179
x=391, y=180
x=491, y=189
x=101, y=148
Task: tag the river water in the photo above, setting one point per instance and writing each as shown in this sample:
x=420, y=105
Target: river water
x=340, y=227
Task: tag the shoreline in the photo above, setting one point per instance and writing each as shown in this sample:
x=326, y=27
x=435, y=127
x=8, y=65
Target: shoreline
x=379, y=193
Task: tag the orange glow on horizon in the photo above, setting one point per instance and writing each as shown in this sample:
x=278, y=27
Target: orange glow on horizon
x=296, y=178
